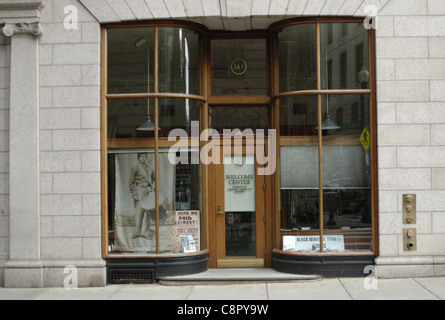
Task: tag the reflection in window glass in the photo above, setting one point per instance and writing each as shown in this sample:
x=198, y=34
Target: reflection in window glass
x=299, y=116
x=240, y=234
x=177, y=114
x=346, y=166
x=350, y=113
x=299, y=197
x=126, y=115
x=297, y=47
x=347, y=209
x=240, y=117
x=178, y=60
x=130, y=58
x=344, y=52
x=347, y=206
x=184, y=224
x=239, y=67
x=133, y=200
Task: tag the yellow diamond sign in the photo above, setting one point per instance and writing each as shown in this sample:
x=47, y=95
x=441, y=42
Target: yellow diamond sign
x=365, y=138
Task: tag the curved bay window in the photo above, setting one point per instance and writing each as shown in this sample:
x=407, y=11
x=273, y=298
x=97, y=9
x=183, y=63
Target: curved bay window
x=310, y=80
x=327, y=140
x=153, y=86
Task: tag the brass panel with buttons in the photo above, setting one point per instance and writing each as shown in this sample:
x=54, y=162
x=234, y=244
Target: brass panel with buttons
x=409, y=209
x=409, y=240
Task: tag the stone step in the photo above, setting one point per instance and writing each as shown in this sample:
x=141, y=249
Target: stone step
x=236, y=276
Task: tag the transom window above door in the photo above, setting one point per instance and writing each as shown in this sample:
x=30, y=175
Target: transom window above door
x=239, y=67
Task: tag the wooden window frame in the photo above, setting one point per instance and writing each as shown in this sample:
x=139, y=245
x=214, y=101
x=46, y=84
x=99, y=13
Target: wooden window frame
x=319, y=139
x=132, y=143
x=271, y=98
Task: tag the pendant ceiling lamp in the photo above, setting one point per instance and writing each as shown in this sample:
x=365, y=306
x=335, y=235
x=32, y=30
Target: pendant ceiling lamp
x=328, y=124
x=148, y=125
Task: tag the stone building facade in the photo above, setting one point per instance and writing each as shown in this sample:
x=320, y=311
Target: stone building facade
x=51, y=143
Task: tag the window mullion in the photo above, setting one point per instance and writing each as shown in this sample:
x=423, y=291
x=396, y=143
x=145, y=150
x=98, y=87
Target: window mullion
x=320, y=141
x=156, y=104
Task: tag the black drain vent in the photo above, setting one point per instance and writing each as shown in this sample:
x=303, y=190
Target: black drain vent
x=131, y=276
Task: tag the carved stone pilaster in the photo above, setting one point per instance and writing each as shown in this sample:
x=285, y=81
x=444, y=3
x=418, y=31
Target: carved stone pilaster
x=33, y=28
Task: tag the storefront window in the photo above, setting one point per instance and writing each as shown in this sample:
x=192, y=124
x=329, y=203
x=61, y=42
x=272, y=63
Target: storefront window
x=299, y=194
x=133, y=217
x=124, y=117
x=322, y=107
x=344, y=51
x=175, y=113
x=326, y=159
x=130, y=57
x=154, y=190
x=178, y=60
x=299, y=116
x=347, y=199
x=297, y=47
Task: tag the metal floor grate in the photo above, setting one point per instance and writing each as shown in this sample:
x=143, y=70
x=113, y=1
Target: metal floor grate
x=131, y=276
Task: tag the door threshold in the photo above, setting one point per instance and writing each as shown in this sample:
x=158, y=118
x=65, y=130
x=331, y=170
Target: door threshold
x=240, y=263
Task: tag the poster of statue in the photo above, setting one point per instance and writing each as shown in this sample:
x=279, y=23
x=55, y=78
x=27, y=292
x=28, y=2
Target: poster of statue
x=135, y=206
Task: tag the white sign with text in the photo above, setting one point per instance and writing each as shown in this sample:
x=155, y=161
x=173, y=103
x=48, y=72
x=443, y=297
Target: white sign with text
x=239, y=181
x=312, y=243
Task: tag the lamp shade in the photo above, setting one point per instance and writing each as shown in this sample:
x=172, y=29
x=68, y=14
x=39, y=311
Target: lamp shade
x=147, y=125
x=328, y=124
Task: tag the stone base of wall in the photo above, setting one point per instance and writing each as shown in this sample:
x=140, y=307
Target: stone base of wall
x=3, y=260
x=68, y=274
x=406, y=267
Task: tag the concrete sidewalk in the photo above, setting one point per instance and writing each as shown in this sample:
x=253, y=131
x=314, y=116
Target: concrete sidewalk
x=324, y=289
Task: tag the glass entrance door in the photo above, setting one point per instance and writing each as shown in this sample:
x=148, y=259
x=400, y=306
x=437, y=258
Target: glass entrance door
x=239, y=115
x=239, y=203
x=239, y=211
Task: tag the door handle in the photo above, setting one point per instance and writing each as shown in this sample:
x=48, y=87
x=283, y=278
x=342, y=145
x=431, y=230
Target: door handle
x=219, y=210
